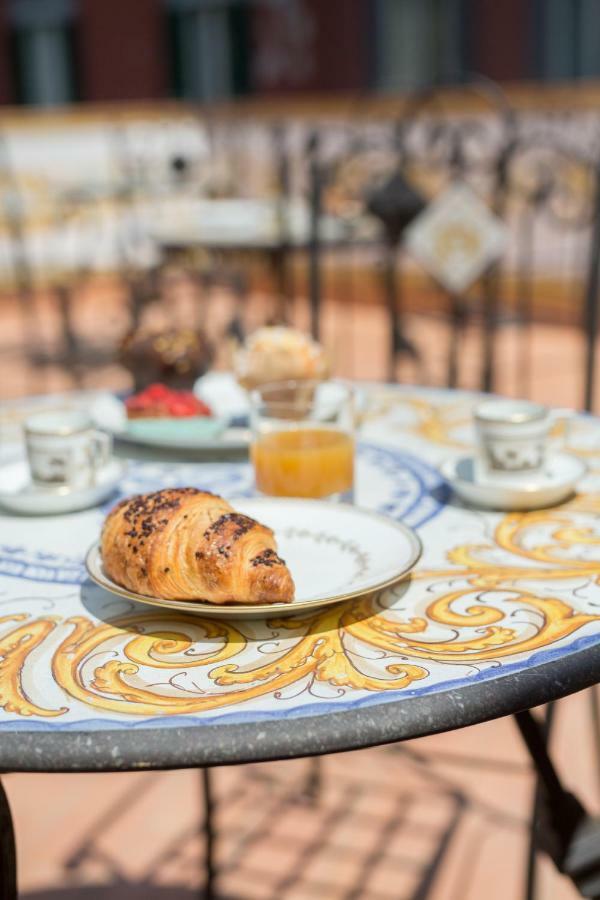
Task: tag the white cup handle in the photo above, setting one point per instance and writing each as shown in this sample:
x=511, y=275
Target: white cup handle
x=101, y=449
x=567, y=415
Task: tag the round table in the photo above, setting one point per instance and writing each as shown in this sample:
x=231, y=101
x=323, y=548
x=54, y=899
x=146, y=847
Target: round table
x=502, y=613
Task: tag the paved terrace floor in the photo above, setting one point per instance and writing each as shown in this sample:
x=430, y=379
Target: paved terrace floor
x=444, y=818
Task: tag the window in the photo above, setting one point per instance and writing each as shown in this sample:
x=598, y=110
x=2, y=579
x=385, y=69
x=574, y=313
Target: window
x=568, y=39
x=42, y=42
x=418, y=42
x=208, y=43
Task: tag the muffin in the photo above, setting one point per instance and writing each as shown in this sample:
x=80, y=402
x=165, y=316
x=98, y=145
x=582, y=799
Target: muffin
x=277, y=353
x=174, y=357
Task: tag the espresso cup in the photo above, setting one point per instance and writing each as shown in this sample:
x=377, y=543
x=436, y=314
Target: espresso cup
x=64, y=449
x=513, y=438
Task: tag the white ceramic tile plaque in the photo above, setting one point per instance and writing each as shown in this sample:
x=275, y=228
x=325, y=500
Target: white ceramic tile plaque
x=456, y=238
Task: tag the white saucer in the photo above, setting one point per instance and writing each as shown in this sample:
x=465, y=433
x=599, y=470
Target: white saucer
x=20, y=495
x=554, y=485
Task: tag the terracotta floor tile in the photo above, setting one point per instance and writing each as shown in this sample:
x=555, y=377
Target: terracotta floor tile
x=312, y=891
x=245, y=885
x=411, y=847
x=391, y=880
x=553, y=885
x=385, y=805
x=430, y=813
x=505, y=846
x=296, y=824
x=355, y=834
x=274, y=856
x=340, y=871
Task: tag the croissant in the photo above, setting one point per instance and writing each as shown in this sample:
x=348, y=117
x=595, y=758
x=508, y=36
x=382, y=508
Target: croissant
x=186, y=544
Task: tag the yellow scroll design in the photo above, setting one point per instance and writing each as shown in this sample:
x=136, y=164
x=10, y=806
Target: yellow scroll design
x=115, y=686
x=15, y=647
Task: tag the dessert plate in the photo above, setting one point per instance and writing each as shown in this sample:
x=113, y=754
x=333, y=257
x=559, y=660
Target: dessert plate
x=334, y=552
x=109, y=413
x=19, y=494
x=552, y=486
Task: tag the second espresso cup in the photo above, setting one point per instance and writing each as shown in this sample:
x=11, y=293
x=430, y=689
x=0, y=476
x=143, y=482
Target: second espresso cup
x=513, y=438
x=64, y=449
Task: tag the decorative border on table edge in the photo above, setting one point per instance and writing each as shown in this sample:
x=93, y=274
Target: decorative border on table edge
x=178, y=748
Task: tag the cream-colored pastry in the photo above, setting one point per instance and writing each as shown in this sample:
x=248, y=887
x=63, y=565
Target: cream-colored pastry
x=277, y=353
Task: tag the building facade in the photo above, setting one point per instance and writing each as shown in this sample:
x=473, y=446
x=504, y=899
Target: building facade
x=61, y=51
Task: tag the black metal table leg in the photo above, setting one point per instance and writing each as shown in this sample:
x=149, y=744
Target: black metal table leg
x=399, y=344
x=458, y=320
x=564, y=830
x=312, y=785
x=595, y=715
x=236, y=328
x=279, y=264
x=490, y=327
x=208, y=890
x=314, y=240
x=8, y=852
x=592, y=311
x=531, y=870
x=69, y=338
x=388, y=273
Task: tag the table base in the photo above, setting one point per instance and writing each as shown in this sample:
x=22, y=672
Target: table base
x=8, y=854
x=563, y=829
x=208, y=890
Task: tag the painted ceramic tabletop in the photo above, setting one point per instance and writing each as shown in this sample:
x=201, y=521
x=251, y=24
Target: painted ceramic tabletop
x=501, y=612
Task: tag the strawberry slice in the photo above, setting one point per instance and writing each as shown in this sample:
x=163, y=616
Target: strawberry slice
x=159, y=400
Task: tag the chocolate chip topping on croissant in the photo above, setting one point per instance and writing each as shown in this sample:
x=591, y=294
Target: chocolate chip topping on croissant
x=186, y=544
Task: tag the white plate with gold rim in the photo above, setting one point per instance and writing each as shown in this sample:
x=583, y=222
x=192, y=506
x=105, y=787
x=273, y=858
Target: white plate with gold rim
x=333, y=550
